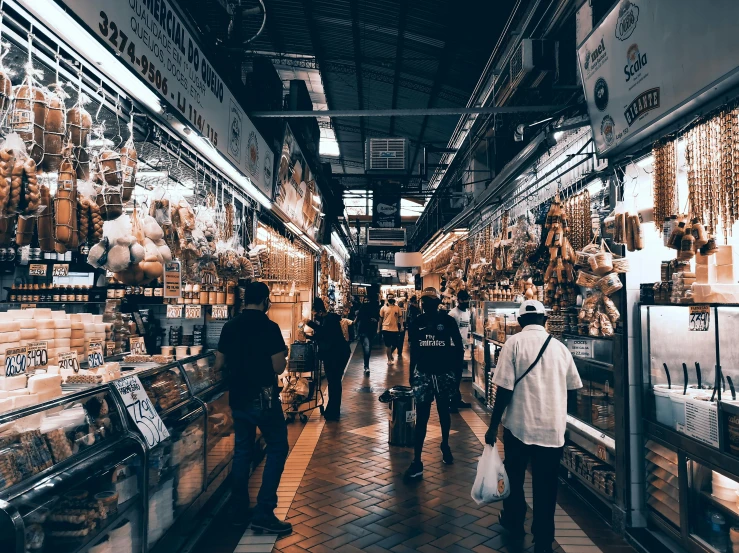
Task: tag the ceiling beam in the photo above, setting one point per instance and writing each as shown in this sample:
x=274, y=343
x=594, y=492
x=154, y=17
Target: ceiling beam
x=318, y=50
x=358, y=62
x=405, y=112
x=402, y=19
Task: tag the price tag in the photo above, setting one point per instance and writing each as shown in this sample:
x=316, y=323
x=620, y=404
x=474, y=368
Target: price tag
x=109, y=349
x=37, y=269
x=602, y=453
x=193, y=311
x=220, y=312
x=172, y=280
x=137, y=345
x=141, y=410
x=580, y=347
x=174, y=311
x=700, y=318
x=38, y=354
x=69, y=360
x=94, y=354
x=16, y=361
x=60, y=270
x=28, y=306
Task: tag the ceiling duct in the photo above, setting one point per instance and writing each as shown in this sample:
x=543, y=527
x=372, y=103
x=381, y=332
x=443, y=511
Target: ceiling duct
x=386, y=155
x=530, y=63
x=386, y=237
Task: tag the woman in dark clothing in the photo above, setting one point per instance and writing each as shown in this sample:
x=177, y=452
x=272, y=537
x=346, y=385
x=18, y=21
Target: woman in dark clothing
x=333, y=350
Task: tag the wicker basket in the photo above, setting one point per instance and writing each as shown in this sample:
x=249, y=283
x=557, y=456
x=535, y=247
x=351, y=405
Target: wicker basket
x=620, y=265
x=587, y=280
x=610, y=283
x=602, y=262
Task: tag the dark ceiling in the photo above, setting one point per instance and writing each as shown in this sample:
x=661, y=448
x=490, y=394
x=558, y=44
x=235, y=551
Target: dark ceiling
x=377, y=54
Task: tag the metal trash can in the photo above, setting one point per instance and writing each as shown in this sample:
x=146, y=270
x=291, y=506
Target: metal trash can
x=402, y=418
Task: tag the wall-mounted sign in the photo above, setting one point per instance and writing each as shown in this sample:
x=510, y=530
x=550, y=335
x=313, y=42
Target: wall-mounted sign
x=172, y=279
x=296, y=192
x=580, y=347
x=152, y=39
x=649, y=58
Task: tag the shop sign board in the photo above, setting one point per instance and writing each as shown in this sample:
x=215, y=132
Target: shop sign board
x=141, y=410
x=580, y=347
x=296, y=191
x=172, y=279
x=152, y=39
x=649, y=58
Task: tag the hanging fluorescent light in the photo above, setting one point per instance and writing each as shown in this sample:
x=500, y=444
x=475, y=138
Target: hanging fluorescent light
x=65, y=27
x=152, y=174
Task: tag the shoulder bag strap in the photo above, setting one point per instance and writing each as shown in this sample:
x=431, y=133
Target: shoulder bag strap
x=538, y=357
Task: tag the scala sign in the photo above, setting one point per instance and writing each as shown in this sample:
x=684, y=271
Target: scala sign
x=648, y=60
x=151, y=38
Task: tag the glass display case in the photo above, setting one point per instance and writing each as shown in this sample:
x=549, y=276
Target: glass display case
x=220, y=432
x=201, y=372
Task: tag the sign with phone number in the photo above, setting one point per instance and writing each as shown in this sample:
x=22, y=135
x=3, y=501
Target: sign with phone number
x=152, y=39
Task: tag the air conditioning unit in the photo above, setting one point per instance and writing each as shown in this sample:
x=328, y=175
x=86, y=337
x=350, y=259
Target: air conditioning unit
x=386, y=155
x=532, y=61
x=386, y=237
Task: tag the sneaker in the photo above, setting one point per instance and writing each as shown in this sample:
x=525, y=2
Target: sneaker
x=270, y=524
x=513, y=532
x=446, y=454
x=414, y=471
x=366, y=371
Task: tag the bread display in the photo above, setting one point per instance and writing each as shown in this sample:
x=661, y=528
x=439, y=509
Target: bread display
x=28, y=118
x=56, y=128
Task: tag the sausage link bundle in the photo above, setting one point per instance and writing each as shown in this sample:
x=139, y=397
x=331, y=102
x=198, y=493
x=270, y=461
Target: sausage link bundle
x=65, y=202
x=7, y=160
x=31, y=191
x=56, y=128
x=29, y=118
x=83, y=217
x=16, y=185
x=96, y=220
x=129, y=159
x=79, y=124
x=46, y=221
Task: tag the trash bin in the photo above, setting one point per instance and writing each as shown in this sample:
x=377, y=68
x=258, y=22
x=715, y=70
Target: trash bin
x=402, y=419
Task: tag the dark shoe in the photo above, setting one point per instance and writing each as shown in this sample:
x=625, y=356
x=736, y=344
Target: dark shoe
x=366, y=371
x=446, y=454
x=463, y=405
x=270, y=524
x=514, y=532
x=414, y=471
x=332, y=417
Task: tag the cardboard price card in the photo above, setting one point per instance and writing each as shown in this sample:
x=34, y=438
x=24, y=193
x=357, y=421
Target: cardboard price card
x=69, y=360
x=138, y=347
x=37, y=269
x=172, y=280
x=193, y=311
x=700, y=318
x=174, y=311
x=38, y=354
x=141, y=410
x=16, y=361
x=95, y=354
x=60, y=270
x=220, y=312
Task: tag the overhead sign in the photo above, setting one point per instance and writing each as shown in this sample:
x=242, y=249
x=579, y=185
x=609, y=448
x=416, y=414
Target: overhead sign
x=172, y=279
x=649, y=58
x=296, y=192
x=141, y=410
x=386, y=204
x=152, y=39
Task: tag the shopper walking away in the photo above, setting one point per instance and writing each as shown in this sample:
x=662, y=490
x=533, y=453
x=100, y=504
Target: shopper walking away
x=333, y=350
x=401, y=333
x=366, y=323
x=534, y=375
x=390, y=317
x=252, y=348
x=461, y=314
x=436, y=349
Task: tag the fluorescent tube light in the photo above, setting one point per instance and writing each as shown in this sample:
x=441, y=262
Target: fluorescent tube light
x=87, y=46
x=152, y=174
x=294, y=228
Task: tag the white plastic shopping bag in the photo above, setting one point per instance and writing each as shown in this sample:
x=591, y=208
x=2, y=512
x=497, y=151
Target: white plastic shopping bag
x=491, y=483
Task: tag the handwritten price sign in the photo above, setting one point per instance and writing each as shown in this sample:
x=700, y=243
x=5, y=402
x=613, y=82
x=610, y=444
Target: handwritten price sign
x=95, y=354
x=38, y=354
x=193, y=311
x=700, y=318
x=220, y=312
x=16, y=361
x=174, y=311
x=60, y=270
x=37, y=269
x=141, y=410
x=137, y=345
x=68, y=360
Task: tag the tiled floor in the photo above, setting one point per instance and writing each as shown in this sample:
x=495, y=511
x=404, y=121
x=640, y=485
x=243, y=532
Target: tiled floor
x=343, y=489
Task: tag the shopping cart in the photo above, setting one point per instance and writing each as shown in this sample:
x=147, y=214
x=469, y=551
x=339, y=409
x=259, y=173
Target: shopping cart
x=302, y=387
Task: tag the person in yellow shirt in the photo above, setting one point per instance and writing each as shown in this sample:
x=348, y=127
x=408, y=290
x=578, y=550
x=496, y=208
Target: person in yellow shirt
x=390, y=319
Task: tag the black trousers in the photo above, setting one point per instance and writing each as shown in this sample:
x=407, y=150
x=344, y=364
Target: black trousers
x=457, y=395
x=544, y=469
x=334, y=368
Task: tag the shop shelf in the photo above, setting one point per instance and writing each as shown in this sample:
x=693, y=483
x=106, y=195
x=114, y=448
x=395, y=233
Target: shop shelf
x=728, y=507
x=123, y=513
x=607, y=499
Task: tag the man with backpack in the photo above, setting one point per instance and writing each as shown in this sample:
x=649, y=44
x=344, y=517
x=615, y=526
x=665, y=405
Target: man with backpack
x=534, y=375
x=436, y=351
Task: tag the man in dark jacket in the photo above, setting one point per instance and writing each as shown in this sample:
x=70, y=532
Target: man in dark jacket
x=366, y=323
x=436, y=351
x=334, y=351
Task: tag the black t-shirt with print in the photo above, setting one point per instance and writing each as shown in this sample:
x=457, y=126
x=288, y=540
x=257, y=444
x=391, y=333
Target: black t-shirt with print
x=436, y=344
x=248, y=342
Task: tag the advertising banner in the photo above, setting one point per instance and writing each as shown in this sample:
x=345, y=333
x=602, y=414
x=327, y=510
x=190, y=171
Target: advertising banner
x=649, y=57
x=296, y=192
x=150, y=37
x=386, y=204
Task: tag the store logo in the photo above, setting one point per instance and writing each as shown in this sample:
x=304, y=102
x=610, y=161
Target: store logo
x=268, y=169
x=252, y=149
x=594, y=59
x=646, y=101
x=234, y=134
x=608, y=130
x=628, y=17
x=635, y=60
x=600, y=94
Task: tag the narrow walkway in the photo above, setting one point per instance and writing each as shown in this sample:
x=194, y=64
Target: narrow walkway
x=343, y=488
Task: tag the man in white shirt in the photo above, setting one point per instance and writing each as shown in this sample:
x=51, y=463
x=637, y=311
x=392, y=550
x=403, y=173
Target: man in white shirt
x=461, y=314
x=534, y=375
x=390, y=318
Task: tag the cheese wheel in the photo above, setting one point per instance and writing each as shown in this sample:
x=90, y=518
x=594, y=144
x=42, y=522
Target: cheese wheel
x=99, y=328
x=10, y=326
x=28, y=333
x=45, y=334
x=6, y=405
x=63, y=333
x=44, y=323
x=76, y=325
x=50, y=344
x=63, y=343
x=89, y=328
x=77, y=343
x=75, y=317
x=6, y=337
x=53, y=393
x=44, y=383
x=18, y=314
x=85, y=317
x=27, y=400
x=97, y=319
x=62, y=323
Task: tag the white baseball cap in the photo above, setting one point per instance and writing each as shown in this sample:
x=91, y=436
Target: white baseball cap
x=531, y=307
